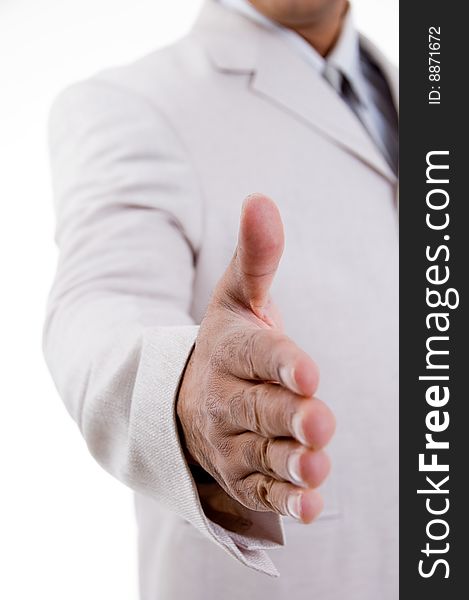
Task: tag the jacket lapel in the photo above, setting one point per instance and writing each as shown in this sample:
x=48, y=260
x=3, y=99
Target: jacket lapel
x=283, y=78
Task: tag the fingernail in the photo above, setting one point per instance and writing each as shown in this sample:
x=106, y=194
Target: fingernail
x=287, y=375
x=293, y=466
x=294, y=505
x=297, y=425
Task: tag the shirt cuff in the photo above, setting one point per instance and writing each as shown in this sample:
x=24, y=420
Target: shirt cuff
x=154, y=430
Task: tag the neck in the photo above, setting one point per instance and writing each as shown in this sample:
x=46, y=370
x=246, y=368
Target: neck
x=323, y=33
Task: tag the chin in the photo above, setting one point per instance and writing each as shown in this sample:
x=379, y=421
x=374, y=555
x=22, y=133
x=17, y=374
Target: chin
x=298, y=12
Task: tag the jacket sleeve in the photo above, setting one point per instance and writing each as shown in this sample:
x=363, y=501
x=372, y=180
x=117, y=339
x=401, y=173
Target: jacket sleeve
x=118, y=330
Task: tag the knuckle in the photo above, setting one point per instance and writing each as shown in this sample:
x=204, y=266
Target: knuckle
x=214, y=408
x=280, y=349
x=247, y=351
x=274, y=346
x=258, y=349
x=256, y=454
x=242, y=491
x=265, y=462
x=256, y=492
x=264, y=493
x=245, y=408
x=286, y=413
x=249, y=451
x=246, y=492
x=253, y=408
x=236, y=406
x=224, y=448
x=215, y=425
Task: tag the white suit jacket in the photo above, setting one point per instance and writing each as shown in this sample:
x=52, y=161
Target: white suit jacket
x=151, y=163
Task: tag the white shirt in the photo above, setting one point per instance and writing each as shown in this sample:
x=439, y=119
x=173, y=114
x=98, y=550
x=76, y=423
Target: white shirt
x=375, y=107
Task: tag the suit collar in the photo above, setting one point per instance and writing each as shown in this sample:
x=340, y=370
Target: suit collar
x=237, y=45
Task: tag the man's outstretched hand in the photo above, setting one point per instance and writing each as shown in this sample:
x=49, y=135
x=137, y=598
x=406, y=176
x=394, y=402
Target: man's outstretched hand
x=246, y=403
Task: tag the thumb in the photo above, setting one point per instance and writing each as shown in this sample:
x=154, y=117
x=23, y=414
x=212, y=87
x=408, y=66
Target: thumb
x=260, y=247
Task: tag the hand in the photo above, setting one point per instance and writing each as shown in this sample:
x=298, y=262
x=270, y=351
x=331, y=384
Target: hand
x=246, y=405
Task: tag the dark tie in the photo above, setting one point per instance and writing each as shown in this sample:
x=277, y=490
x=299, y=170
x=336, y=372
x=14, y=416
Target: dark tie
x=387, y=142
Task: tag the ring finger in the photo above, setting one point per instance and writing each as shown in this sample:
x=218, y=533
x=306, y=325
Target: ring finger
x=283, y=459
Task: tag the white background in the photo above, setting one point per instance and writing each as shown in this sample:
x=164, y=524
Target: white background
x=66, y=528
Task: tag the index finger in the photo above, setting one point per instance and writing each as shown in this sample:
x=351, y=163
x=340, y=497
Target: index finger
x=268, y=355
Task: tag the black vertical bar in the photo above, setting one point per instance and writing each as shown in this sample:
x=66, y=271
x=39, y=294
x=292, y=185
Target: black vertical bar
x=433, y=119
